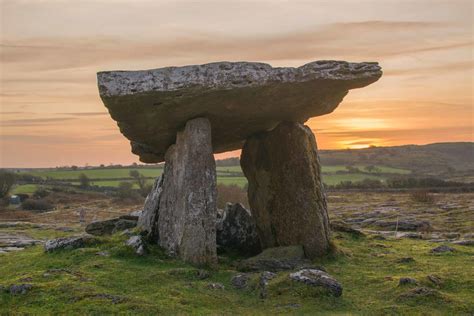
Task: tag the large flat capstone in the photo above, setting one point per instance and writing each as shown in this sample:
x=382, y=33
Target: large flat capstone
x=240, y=99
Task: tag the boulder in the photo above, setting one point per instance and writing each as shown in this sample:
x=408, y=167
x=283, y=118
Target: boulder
x=318, y=278
x=111, y=226
x=442, y=249
x=403, y=225
x=275, y=259
x=68, y=243
x=407, y=281
x=240, y=281
x=236, y=230
x=184, y=200
x=18, y=289
x=240, y=99
x=285, y=190
x=137, y=244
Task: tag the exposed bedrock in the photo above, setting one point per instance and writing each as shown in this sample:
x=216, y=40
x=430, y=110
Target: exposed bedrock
x=180, y=212
x=240, y=99
x=285, y=190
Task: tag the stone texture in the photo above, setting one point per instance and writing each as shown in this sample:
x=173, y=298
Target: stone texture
x=442, y=249
x=236, y=230
x=275, y=259
x=240, y=99
x=181, y=210
x=320, y=278
x=285, y=190
x=148, y=221
x=67, y=243
x=240, y=281
x=111, y=226
x=137, y=244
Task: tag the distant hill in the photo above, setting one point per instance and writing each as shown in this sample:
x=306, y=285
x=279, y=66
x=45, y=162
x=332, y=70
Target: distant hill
x=433, y=159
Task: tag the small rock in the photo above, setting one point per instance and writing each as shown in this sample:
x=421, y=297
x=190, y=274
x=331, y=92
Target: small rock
x=419, y=292
x=442, y=249
x=342, y=226
x=137, y=244
x=434, y=279
x=406, y=281
x=265, y=277
x=111, y=226
x=240, y=281
x=136, y=213
x=318, y=278
x=405, y=260
x=216, y=286
x=103, y=253
x=275, y=259
x=18, y=289
x=202, y=274
x=67, y=243
x=451, y=235
x=464, y=242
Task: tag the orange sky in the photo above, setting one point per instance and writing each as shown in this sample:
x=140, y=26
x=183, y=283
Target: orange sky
x=51, y=114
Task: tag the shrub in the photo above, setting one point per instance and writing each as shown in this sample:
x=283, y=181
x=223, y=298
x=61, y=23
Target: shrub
x=231, y=193
x=40, y=193
x=23, y=196
x=422, y=196
x=84, y=181
x=7, y=180
x=125, y=191
x=36, y=205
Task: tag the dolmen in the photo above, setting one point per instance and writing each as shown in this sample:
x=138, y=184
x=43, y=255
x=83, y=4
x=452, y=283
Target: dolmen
x=184, y=115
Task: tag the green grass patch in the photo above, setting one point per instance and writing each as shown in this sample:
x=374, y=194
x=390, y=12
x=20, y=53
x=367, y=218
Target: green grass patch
x=81, y=282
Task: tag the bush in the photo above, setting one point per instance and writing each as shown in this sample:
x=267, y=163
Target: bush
x=84, y=181
x=36, y=205
x=40, y=193
x=7, y=180
x=422, y=196
x=125, y=191
x=231, y=193
x=23, y=196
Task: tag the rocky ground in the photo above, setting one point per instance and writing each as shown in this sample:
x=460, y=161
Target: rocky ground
x=391, y=255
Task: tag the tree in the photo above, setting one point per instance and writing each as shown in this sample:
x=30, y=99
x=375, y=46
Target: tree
x=141, y=182
x=7, y=180
x=84, y=181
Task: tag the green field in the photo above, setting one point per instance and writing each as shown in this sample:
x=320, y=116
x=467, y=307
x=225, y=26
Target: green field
x=225, y=174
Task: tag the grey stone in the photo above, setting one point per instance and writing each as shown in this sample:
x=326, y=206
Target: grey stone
x=434, y=279
x=216, y=286
x=285, y=190
x=464, y=242
x=148, y=221
x=403, y=225
x=137, y=244
x=419, y=292
x=240, y=281
x=68, y=243
x=111, y=226
x=407, y=281
x=202, y=274
x=186, y=214
x=18, y=289
x=275, y=259
x=99, y=228
x=318, y=278
x=265, y=278
x=342, y=226
x=240, y=99
x=442, y=248
x=236, y=230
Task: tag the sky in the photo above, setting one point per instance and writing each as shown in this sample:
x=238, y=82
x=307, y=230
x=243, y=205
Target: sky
x=50, y=51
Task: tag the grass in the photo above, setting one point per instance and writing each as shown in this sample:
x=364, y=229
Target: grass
x=25, y=188
x=154, y=284
x=225, y=175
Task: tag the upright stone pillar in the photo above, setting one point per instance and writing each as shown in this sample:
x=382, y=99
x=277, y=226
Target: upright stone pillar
x=180, y=212
x=285, y=190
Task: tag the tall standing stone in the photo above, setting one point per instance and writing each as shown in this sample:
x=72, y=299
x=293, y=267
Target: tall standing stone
x=285, y=190
x=181, y=211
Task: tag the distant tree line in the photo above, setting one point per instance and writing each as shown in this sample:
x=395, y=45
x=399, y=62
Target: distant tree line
x=399, y=183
